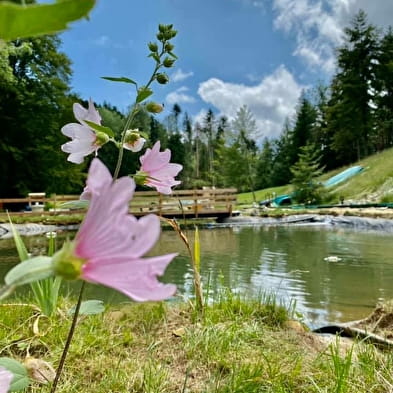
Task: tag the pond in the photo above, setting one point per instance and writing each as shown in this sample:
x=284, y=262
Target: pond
x=288, y=261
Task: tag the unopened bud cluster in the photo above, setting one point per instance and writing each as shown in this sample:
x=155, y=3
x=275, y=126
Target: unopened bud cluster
x=164, y=57
x=165, y=32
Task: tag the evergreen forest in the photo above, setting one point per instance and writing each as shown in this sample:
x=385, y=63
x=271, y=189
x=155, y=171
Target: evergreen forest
x=335, y=124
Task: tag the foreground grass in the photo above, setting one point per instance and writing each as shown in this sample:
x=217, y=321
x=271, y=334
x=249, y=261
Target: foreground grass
x=236, y=346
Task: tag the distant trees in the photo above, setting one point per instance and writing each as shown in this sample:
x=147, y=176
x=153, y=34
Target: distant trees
x=344, y=121
x=34, y=104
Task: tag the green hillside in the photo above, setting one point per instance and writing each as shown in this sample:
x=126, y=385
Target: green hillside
x=374, y=184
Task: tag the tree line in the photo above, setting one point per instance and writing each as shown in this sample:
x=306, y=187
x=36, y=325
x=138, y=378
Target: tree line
x=338, y=123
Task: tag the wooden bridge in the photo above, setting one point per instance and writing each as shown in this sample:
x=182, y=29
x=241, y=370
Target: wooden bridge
x=209, y=202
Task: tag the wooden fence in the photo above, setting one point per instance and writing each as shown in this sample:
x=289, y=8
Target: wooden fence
x=209, y=202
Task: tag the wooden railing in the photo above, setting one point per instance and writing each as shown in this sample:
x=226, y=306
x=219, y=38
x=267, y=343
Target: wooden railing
x=195, y=203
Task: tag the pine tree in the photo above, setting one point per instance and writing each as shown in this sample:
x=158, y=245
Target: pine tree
x=243, y=129
x=384, y=101
x=350, y=115
x=209, y=130
x=283, y=153
x=321, y=137
x=264, y=170
x=307, y=188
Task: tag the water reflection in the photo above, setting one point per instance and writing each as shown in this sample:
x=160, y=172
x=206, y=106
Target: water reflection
x=288, y=261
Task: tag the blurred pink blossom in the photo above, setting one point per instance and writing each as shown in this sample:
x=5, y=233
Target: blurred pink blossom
x=86, y=194
x=110, y=242
x=157, y=169
x=5, y=380
x=84, y=139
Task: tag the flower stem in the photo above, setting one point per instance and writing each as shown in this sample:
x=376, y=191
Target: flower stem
x=129, y=121
x=132, y=115
x=69, y=339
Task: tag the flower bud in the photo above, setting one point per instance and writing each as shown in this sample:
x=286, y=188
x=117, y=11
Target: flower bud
x=169, y=47
x=162, y=78
x=168, y=35
x=153, y=46
x=168, y=62
x=66, y=264
x=154, y=107
x=162, y=28
x=101, y=138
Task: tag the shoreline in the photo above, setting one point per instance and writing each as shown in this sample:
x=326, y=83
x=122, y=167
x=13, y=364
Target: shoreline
x=374, y=219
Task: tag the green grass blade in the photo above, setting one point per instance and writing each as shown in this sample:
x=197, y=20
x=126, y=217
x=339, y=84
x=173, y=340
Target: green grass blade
x=20, y=246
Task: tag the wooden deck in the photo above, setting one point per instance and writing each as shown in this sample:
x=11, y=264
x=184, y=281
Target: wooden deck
x=180, y=204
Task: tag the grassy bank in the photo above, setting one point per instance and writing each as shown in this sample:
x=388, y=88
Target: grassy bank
x=374, y=184
x=236, y=346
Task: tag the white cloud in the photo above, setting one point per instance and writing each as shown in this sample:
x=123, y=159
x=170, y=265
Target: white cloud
x=179, y=96
x=318, y=25
x=106, y=42
x=199, y=117
x=271, y=101
x=256, y=3
x=103, y=40
x=179, y=75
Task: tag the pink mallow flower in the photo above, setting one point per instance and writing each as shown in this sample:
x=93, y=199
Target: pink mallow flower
x=84, y=139
x=156, y=170
x=5, y=380
x=133, y=141
x=110, y=243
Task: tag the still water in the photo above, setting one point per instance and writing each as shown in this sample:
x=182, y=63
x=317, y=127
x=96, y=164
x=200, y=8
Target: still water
x=288, y=261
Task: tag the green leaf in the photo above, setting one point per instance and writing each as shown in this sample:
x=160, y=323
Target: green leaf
x=197, y=251
x=144, y=135
x=155, y=56
x=80, y=204
x=6, y=290
x=173, y=55
x=20, y=246
x=21, y=21
x=121, y=79
x=99, y=128
x=21, y=380
x=143, y=93
x=30, y=270
x=89, y=307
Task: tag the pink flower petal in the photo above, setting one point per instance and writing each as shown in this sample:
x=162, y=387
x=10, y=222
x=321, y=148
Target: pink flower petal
x=112, y=242
x=159, y=170
x=90, y=114
x=5, y=380
x=135, y=278
x=106, y=227
x=78, y=131
x=83, y=138
x=136, y=146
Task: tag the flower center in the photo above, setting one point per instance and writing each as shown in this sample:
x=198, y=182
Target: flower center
x=66, y=264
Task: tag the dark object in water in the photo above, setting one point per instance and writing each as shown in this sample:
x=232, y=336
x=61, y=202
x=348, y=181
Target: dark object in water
x=377, y=328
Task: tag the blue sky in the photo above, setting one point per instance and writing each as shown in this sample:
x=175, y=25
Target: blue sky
x=259, y=53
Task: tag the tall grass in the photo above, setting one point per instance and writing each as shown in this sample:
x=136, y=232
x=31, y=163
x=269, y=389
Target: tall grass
x=46, y=292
